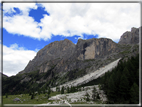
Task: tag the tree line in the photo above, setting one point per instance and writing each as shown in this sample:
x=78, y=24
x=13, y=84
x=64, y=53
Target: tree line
x=121, y=85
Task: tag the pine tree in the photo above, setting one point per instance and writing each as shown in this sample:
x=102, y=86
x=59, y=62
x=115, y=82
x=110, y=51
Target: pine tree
x=58, y=89
x=71, y=89
x=94, y=95
x=87, y=95
x=98, y=97
x=111, y=89
x=49, y=91
x=68, y=90
x=137, y=77
x=32, y=97
x=127, y=75
x=6, y=95
x=30, y=93
x=62, y=90
x=124, y=88
x=134, y=94
x=39, y=91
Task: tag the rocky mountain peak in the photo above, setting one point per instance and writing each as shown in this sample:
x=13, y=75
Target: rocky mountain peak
x=64, y=54
x=130, y=37
x=50, y=55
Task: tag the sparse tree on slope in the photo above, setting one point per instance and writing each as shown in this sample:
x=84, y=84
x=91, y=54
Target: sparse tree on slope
x=62, y=90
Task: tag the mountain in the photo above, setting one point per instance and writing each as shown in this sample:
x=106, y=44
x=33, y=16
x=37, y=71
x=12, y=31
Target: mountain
x=130, y=37
x=50, y=55
x=63, y=61
x=60, y=52
x=3, y=75
x=62, y=58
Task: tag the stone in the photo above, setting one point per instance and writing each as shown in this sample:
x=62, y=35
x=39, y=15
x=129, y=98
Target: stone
x=17, y=99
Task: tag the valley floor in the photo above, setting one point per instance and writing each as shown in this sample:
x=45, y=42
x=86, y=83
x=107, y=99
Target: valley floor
x=68, y=98
x=58, y=99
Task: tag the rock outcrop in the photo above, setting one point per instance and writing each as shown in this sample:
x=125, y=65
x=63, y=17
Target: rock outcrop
x=94, y=48
x=60, y=52
x=130, y=37
x=50, y=55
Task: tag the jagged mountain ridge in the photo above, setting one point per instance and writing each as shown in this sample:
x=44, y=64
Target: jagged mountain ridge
x=64, y=57
x=130, y=37
x=62, y=51
x=63, y=61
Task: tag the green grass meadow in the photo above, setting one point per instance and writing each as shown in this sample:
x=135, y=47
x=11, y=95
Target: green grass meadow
x=26, y=99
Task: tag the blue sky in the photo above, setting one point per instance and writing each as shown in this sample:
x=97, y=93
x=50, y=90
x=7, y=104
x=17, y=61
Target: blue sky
x=32, y=44
x=28, y=27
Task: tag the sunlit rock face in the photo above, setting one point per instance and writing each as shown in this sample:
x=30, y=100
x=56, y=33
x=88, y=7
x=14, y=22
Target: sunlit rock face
x=95, y=48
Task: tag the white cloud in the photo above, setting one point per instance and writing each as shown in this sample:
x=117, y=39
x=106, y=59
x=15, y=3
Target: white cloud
x=24, y=7
x=15, y=59
x=108, y=20
x=22, y=25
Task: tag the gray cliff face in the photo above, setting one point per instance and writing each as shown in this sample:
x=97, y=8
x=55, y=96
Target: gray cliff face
x=65, y=56
x=50, y=55
x=94, y=48
x=130, y=37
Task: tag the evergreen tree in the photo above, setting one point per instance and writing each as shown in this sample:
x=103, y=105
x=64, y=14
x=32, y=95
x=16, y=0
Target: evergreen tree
x=47, y=95
x=71, y=89
x=44, y=91
x=87, y=95
x=49, y=91
x=58, y=89
x=68, y=90
x=62, y=90
x=98, y=97
x=122, y=83
x=134, y=94
x=39, y=91
x=124, y=88
x=6, y=95
x=127, y=75
x=94, y=95
x=111, y=89
x=137, y=77
x=32, y=96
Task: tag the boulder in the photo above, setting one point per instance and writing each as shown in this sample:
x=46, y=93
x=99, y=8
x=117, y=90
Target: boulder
x=17, y=99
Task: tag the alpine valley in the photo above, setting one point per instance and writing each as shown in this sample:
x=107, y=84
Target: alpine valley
x=93, y=71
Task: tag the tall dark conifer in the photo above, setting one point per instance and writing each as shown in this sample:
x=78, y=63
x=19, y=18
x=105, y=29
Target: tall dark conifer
x=134, y=94
x=111, y=89
x=124, y=88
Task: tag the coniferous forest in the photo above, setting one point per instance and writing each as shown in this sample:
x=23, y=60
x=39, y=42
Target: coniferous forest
x=121, y=85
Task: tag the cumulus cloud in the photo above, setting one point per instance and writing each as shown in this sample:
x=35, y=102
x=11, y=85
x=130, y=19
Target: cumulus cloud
x=24, y=7
x=16, y=58
x=109, y=20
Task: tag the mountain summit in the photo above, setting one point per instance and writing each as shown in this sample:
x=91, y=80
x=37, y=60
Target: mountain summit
x=130, y=37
